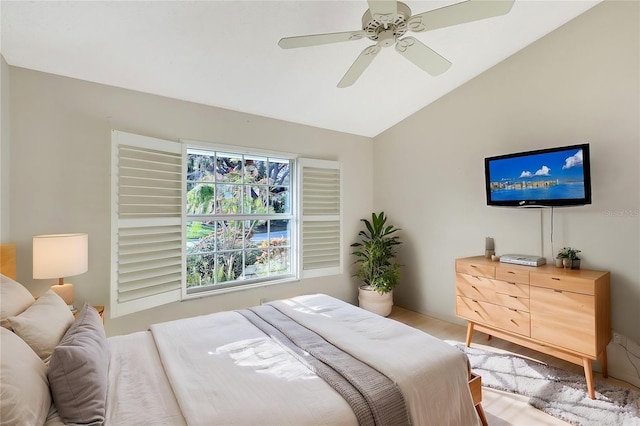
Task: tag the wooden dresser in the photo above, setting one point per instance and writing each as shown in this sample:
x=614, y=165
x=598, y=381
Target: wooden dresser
x=563, y=313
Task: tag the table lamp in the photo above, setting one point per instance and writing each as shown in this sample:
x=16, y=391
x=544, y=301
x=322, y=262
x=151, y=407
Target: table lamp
x=59, y=256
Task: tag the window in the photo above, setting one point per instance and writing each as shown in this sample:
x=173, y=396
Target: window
x=239, y=219
x=187, y=220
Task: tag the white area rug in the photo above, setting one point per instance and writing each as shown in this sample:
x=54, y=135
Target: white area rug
x=555, y=391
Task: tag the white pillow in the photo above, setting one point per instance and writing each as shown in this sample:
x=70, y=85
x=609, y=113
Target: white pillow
x=14, y=299
x=24, y=389
x=43, y=324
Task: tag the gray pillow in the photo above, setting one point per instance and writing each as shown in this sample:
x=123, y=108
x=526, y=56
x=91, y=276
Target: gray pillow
x=78, y=370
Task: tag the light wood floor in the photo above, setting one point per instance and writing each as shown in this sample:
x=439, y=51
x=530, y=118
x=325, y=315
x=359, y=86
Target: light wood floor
x=501, y=408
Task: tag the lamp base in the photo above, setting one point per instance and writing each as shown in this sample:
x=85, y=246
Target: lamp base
x=65, y=291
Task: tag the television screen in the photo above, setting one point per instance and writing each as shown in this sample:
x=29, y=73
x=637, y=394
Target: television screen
x=547, y=177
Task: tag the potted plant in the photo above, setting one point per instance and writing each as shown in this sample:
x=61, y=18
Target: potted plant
x=568, y=255
x=376, y=269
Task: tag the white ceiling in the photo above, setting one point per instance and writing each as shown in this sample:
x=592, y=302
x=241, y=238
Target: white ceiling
x=225, y=53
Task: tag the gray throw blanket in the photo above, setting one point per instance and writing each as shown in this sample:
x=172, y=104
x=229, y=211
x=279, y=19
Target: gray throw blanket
x=373, y=397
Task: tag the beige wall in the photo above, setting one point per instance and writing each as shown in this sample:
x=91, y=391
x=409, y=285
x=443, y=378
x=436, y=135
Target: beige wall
x=578, y=84
x=5, y=114
x=60, y=176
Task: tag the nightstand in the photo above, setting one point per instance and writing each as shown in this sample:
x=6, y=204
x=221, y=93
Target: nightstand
x=98, y=308
x=475, y=385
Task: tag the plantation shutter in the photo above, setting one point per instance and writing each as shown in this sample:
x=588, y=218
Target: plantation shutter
x=147, y=260
x=321, y=211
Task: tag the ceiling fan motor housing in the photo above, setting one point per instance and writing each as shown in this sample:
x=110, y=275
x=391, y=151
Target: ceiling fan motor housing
x=385, y=29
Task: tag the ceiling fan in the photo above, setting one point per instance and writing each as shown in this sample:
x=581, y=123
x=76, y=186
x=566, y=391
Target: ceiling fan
x=387, y=20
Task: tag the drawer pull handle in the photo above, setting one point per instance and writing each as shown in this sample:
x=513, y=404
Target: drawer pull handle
x=557, y=291
x=513, y=321
x=511, y=272
x=514, y=310
x=512, y=283
x=476, y=312
x=474, y=287
x=556, y=279
x=515, y=297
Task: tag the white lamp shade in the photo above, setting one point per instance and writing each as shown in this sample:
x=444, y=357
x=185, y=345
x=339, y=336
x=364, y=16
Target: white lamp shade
x=60, y=255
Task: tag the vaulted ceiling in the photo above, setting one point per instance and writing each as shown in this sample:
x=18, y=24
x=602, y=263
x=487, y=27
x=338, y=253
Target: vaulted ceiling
x=225, y=53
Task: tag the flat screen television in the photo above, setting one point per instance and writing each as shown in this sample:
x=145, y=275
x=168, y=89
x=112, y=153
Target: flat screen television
x=554, y=177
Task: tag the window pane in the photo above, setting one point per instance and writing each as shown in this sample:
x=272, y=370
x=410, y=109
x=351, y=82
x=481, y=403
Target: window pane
x=279, y=261
x=200, y=166
x=229, y=199
x=229, y=168
x=200, y=237
x=200, y=198
x=255, y=170
x=279, y=201
x=200, y=269
x=229, y=266
x=278, y=172
x=257, y=233
x=230, y=235
x=280, y=233
x=200, y=253
x=255, y=266
x=255, y=199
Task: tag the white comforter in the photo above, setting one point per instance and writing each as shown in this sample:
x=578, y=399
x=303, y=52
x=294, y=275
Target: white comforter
x=219, y=369
x=224, y=371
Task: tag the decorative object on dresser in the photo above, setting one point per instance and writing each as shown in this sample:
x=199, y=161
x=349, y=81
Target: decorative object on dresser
x=59, y=256
x=568, y=258
x=563, y=313
x=380, y=274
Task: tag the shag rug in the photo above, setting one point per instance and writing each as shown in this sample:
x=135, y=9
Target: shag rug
x=555, y=391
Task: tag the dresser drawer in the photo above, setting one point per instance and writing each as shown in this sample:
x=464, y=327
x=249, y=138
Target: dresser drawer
x=511, y=288
x=477, y=269
x=475, y=287
x=565, y=319
x=563, y=282
x=514, y=320
x=475, y=310
x=513, y=302
x=512, y=275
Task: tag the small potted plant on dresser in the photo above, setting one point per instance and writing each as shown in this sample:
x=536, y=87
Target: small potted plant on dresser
x=568, y=258
x=377, y=271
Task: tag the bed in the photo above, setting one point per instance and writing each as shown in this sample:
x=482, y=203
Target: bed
x=310, y=359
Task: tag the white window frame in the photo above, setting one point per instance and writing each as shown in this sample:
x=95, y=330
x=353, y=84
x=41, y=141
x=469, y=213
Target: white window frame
x=237, y=285
x=154, y=216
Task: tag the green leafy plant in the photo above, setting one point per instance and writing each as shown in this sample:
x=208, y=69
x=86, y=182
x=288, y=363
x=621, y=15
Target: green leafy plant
x=375, y=253
x=568, y=253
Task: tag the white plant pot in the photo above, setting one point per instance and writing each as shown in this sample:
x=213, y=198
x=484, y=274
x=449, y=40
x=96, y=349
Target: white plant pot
x=375, y=302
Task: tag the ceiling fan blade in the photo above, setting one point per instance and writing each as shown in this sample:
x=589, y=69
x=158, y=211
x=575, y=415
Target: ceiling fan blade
x=421, y=55
x=459, y=13
x=383, y=7
x=318, y=39
x=361, y=63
